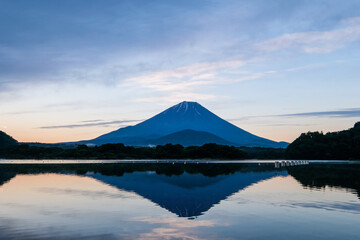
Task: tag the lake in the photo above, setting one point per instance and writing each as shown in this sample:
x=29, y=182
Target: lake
x=179, y=200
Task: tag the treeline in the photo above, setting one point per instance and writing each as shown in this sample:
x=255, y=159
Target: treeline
x=264, y=153
x=343, y=145
x=120, y=151
x=8, y=171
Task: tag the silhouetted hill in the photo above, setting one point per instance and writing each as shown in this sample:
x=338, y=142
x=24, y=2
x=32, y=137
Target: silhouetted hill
x=6, y=140
x=190, y=138
x=341, y=145
x=183, y=116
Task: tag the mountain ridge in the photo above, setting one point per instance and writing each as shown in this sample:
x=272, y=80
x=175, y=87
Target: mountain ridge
x=183, y=116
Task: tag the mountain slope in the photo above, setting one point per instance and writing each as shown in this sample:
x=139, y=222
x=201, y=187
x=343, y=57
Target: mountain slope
x=185, y=115
x=6, y=140
x=189, y=138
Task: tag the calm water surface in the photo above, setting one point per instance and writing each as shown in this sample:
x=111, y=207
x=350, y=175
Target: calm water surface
x=179, y=201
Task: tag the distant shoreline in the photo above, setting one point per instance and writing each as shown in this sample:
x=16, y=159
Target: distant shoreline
x=161, y=161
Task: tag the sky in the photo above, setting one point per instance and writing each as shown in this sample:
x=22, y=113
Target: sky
x=73, y=70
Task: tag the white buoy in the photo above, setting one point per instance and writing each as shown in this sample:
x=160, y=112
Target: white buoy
x=277, y=165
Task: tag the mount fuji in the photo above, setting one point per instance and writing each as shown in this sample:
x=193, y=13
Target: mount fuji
x=187, y=123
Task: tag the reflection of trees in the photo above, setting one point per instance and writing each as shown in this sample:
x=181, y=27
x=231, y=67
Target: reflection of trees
x=7, y=171
x=332, y=175
x=6, y=176
x=313, y=175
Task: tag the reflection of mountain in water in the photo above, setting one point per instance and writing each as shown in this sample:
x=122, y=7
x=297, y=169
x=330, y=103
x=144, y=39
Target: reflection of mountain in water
x=190, y=190
x=186, y=190
x=187, y=195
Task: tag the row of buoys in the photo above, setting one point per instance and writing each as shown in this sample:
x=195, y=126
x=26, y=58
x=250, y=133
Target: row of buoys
x=184, y=162
x=279, y=164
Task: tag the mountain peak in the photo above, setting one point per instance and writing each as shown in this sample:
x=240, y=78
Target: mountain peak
x=185, y=107
x=186, y=104
x=184, y=116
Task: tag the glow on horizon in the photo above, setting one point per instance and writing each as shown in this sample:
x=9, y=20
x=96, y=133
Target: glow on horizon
x=275, y=70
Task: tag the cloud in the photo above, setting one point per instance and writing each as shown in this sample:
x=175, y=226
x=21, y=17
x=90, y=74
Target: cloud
x=204, y=76
x=311, y=66
x=346, y=113
x=90, y=123
x=316, y=41
x=354, y=20
x=185, y=77
x=187, y=82
x=177, y=97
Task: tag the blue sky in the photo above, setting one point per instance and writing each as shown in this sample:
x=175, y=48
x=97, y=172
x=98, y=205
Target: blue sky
x=72, y=70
